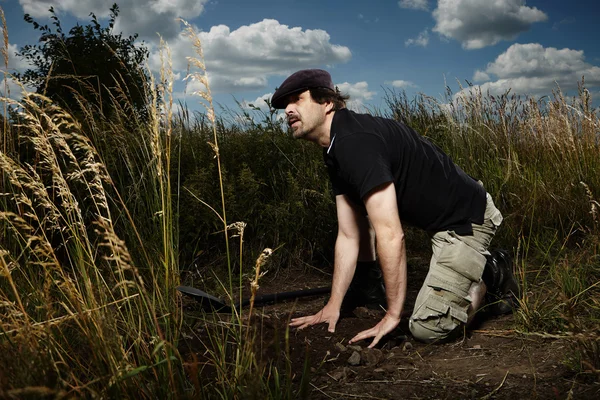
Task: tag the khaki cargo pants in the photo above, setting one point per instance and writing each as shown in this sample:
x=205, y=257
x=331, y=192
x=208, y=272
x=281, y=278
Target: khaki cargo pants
x=457, y=262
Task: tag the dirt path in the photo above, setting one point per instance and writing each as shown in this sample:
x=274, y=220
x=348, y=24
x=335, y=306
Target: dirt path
x=491, y=362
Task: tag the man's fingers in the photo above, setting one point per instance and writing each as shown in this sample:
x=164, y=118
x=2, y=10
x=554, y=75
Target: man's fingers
x=363, y=335
x=375, y=341
x=322, y=316
x=302, y=322
x=332, y=324
x=297, y=321
x=307, y=323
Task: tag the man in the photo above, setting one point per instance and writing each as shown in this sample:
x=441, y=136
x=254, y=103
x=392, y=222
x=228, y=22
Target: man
x=382, y=171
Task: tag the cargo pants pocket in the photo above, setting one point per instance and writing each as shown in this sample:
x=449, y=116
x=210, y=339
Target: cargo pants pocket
x=444, y=299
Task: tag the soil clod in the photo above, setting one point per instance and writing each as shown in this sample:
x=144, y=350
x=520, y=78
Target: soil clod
x=354, y=359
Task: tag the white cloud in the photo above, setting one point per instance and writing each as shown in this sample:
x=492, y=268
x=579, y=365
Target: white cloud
x=421, y=40
x=401, y=84
x=8, y=86
x=259, y=102
x=11, y=89
x=254, y=116
x=237, y=60
x=535, y=69
x=368, y=20
x=477, y=24
x=145, y=17
x=566, y=21
x=414, y=4
x=244, y=58
x=357, y=91
x=481, y=76
x=359, y=94
x=14, y=63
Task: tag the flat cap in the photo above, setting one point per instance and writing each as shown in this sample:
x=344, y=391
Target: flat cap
x=299, y=82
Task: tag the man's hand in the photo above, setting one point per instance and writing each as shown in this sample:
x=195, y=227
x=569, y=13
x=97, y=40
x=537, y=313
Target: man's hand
x=329, y=314
x=385, y=326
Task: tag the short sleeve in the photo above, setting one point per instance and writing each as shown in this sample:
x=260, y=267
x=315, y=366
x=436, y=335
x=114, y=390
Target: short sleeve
x=363, y=162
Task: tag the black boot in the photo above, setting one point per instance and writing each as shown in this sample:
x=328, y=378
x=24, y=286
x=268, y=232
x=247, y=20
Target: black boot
x=502, y=287
x=366, y=289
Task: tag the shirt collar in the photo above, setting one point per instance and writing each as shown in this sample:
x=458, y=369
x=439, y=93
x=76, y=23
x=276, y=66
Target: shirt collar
x=331, y=144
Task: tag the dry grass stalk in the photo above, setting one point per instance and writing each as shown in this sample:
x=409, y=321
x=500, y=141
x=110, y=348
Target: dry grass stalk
x=594, y=206
x=260, y=262
x=200, y=75
x=80, y=294
x=4, y=52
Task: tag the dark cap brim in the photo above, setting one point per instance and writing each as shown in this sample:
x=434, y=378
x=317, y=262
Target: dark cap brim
x=299, y=82
x=280, y=102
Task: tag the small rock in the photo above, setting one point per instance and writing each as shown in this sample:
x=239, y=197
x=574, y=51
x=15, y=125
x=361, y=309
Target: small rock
x=407, y=346
x=338, y=374
x=354, y=359
x=372, y=357
x=477, y=346
x=390, y=344
x=386, y=369
x=355, y=347
x=340, y=347
x=313, y=369
x=362, y=312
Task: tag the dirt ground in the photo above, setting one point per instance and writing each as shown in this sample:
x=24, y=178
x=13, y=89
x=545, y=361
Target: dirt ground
x=490, y=361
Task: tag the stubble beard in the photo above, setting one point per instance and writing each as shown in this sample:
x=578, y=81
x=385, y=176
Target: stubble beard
x=304, y=132
x=299, y=133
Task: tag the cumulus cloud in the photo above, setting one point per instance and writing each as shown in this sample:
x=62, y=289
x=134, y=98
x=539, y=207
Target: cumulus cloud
x=256, y=112
x=414, y=4
x=534, y=69
x=477, y=24
x=8, y=86
x=359, y=94
x=260, y=102
x=15, y=63
x=237, y=59
x=358, y=90
x=481, y=76
x=145, y=17
x=421, y=40
x=11, y=89
x=243, y=59
x=401, y=84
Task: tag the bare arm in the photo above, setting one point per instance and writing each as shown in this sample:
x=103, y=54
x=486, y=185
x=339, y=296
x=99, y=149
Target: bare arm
x=382, y=208
x=346, y=248
x=346, y=255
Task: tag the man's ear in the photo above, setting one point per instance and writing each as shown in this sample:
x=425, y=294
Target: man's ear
x=329, y=107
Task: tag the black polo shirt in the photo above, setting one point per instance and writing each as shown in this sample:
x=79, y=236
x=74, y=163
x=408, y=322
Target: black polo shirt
x=433, y=193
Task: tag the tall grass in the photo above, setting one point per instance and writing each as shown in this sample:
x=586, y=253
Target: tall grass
x=80, y=315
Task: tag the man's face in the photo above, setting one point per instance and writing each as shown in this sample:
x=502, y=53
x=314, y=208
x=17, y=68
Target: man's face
x=305, y=116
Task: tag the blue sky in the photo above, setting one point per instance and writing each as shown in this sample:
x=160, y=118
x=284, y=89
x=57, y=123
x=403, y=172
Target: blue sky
x=415, y=45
